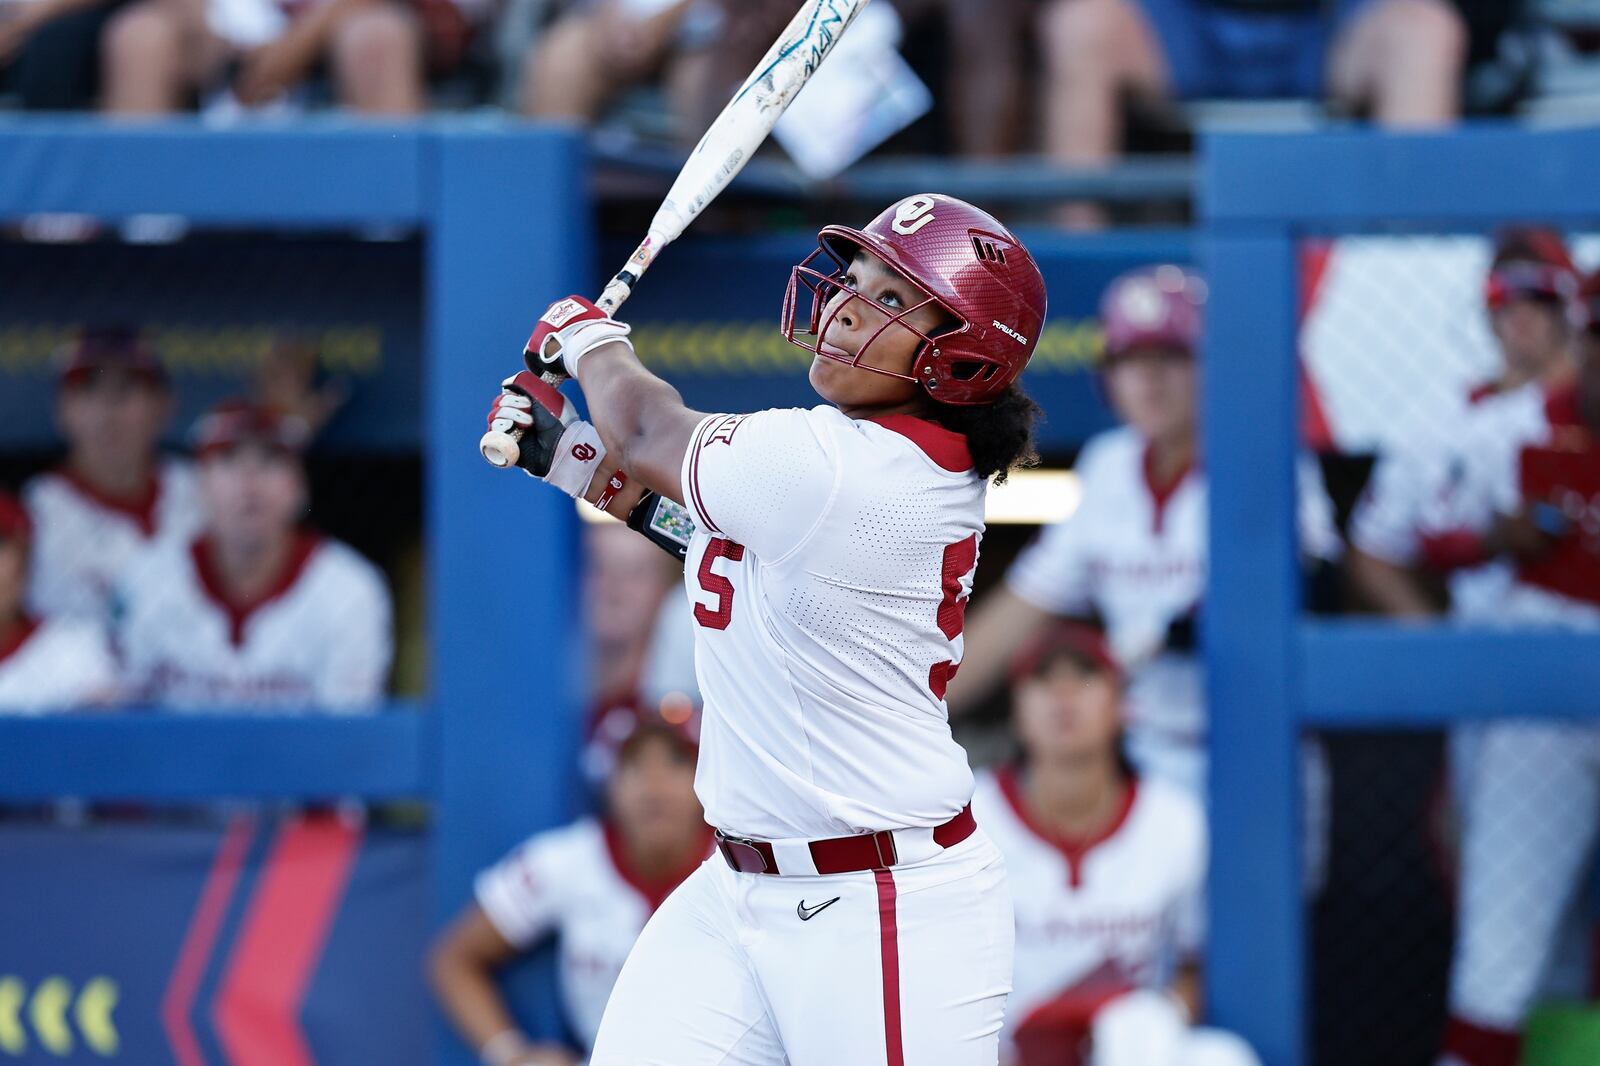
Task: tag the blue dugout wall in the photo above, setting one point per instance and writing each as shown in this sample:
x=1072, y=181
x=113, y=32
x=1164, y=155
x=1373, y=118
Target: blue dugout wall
x=505, y=226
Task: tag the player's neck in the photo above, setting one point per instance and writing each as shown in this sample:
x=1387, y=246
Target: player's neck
x=123, y=477
x=656, y=859
x=246, y=569
x=1171, y=456
x=1553, y=373
x=916, y=407
x=1076, y=797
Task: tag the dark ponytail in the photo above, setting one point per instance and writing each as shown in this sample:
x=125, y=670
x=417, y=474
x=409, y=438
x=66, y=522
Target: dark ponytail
x=999, y=434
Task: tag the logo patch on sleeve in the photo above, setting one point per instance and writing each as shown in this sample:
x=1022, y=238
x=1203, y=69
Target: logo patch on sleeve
x=723, y=434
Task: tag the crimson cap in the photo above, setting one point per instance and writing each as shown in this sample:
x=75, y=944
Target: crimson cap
x=234, y=422
x=1082, y=643
x=1154, y=306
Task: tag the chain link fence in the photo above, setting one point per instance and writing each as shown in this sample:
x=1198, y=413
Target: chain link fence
x=1458, y=895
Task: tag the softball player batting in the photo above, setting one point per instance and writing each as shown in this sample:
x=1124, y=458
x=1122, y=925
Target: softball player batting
x=855, y=913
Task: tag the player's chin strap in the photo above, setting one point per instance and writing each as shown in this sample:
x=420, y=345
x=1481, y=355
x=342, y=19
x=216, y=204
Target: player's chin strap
x=665, y=523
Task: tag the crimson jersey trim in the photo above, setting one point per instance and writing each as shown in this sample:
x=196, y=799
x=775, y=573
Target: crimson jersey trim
x=1074, y=849
x=655, y=890
x=141, y=512
x=24, y=628
x=701, y=439
x=1161, y=494
x=947, y=448
x=238, y=612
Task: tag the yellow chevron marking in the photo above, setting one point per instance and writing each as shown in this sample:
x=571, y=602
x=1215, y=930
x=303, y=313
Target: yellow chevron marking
x=93, y=1015
x=48, y=1013
x=13, y=1038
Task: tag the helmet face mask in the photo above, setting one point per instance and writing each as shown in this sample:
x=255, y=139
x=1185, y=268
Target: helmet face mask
x=822, y=274
x=960, y=260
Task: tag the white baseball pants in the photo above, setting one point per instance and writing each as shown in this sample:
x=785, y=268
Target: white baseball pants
x=909, y=966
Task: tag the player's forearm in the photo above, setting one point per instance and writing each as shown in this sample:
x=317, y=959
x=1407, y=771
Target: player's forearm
x=641, y=418
x=469, y=997
x=1391, y=589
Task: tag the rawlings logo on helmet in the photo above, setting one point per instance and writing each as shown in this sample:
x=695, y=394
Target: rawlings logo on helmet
x=1008, y=331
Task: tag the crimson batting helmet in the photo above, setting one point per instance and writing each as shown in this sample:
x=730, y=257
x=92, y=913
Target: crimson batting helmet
x=964, y=262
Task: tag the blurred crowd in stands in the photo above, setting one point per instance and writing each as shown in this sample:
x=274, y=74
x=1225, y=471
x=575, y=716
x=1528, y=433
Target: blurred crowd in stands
x=1074, y=81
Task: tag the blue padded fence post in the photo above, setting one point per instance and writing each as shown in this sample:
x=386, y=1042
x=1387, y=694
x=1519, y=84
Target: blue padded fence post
x=510, y=232
x=1256, y=946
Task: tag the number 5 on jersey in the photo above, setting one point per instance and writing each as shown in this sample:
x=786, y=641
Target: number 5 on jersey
x=719, y=616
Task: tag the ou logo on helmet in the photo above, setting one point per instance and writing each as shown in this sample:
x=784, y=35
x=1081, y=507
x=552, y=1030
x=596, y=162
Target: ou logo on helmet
x=912, y=214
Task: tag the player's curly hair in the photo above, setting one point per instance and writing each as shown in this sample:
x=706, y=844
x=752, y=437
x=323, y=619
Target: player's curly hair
x=999, y=434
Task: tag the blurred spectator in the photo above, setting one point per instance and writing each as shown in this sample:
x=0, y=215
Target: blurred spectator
x=592, y=884
x=1400, y=60
x=45, y=665
x=1532, y=788
x=163, y=55
x=596, y=51
x=982, y=90
x=1107, y=875
x=114, y=494
x=256, y=612
x=626, y=582
x=1134, y=552
x=50, y=52
x=1413, y=526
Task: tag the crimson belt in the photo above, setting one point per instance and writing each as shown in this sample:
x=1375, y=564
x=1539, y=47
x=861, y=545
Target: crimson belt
x=839, y=855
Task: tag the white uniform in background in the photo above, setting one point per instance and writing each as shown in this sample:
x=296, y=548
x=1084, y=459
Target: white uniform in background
x=1531, y=794
x=1099, y=917
x=56, y=665
x=828, y=581
x=322, y=638
x=575, y=884
x=1419, y=499
x=84, y=543
x=1138, y=558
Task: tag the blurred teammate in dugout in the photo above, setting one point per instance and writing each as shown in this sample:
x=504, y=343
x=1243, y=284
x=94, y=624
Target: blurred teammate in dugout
x=199, y=570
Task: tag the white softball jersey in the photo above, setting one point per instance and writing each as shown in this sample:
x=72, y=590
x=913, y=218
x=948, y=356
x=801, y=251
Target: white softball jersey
x=1528, y=787
x=1453, y=484
x=828, y=580
x=1136, y=555
x=56, y=665
x=1120, y=910
x=574, y=883
x=321, y=638
x=84, y=542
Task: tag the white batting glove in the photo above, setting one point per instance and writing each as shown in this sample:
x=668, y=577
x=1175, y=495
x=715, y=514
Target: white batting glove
x=556, y=446
x=568, y=330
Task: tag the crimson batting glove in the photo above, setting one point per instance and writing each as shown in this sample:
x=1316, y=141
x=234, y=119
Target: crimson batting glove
x=567, y=331
x=556, y=446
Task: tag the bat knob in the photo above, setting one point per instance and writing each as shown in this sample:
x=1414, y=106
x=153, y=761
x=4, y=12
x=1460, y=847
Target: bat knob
x=499, y=449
